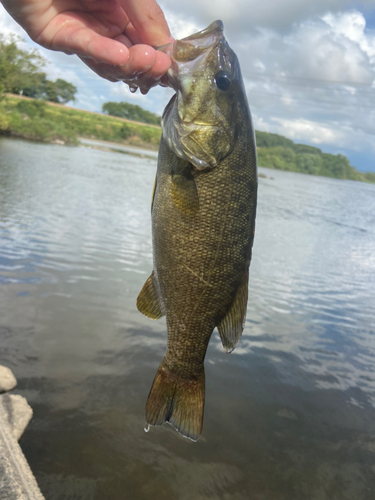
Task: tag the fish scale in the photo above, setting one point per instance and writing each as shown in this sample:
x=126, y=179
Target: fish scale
x=203, y=219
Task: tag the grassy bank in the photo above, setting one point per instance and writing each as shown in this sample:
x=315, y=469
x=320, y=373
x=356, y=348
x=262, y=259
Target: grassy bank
x=41, y=121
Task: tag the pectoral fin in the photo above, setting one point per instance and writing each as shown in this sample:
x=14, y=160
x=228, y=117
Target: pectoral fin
x=184, y=191
x=148, y=301
x=153, y=193
x=232, y=325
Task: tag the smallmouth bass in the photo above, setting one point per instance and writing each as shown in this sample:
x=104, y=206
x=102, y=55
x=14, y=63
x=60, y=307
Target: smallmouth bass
x=203, y=220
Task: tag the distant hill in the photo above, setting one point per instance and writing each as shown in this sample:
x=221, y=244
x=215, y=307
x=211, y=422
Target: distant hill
x=278, y=152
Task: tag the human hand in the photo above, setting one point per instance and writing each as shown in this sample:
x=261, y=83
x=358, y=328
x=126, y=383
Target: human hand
x=115, y=38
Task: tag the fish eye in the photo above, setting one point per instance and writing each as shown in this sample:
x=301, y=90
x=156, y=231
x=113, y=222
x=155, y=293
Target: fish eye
x=222, y=80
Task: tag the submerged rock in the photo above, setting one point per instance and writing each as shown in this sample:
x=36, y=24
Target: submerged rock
x=18, y=412
x=7, y=379
x=16, y=479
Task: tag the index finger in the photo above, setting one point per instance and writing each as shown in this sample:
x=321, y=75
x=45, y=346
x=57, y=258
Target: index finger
x=148, y=19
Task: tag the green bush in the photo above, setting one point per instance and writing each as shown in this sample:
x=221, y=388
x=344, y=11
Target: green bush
x=31, y=108
x=130, y=112
x=37, y=120
x=4, y=123
x=309, y=163
x=267, y=140
x=369, y=176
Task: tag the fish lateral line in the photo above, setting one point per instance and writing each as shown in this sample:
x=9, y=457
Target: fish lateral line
x=197, y=275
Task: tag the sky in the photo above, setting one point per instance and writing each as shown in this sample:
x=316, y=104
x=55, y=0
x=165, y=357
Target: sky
x=308, y=68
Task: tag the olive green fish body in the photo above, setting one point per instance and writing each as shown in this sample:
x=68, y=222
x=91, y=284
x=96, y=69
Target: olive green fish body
x=203, y=219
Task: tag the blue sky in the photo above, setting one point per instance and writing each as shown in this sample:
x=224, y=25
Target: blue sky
x=308, y=67
x=370, y=18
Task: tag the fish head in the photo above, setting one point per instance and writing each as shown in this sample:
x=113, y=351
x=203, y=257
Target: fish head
x=200, y=122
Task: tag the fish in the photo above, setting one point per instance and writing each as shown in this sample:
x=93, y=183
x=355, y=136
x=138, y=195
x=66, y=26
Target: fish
x=203, y=221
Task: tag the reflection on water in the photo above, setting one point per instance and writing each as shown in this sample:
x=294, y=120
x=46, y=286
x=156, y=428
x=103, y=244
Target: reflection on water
x=290, y=414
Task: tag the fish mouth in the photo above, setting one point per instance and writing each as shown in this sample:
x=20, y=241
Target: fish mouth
x=167, y=48
x=191, y=51
x=215, y=27
x=198, y=124
x=189, y=48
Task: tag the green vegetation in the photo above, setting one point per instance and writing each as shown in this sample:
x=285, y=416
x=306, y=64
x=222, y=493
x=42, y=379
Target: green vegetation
x=278, y=152
x=21, y=73
x=37, y=120
x=130, y=112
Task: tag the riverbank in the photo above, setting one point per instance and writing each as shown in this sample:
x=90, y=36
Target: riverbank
x=43, y=121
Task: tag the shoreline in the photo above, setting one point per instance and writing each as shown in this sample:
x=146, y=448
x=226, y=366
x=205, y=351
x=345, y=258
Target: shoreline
x=65, y=106
x=118, y=148
x=51, y=123
x=150, y=153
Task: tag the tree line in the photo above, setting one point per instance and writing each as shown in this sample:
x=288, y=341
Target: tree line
x=130, y=112
x=276, y=151
x=21, y=73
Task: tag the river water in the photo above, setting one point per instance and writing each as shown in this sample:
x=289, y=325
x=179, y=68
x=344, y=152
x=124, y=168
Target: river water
x=290, y=414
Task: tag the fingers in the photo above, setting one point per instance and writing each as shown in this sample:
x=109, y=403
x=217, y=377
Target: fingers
x=115, y=39
x=154, y=76
x=99, y=48
x=148, y=21
x=81, y=34
x=144, y=68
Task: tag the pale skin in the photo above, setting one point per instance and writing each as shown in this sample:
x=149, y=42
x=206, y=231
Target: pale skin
x=115, y=38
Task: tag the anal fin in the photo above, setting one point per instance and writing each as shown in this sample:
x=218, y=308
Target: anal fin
x=232, y=325
x=148, y=302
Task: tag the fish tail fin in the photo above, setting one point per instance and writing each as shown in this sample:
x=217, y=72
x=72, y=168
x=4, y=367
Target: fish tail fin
x=177, y=401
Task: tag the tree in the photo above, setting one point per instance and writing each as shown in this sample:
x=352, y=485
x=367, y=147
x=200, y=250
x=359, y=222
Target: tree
x=267, y=140
x=59, y=91
x=20, y=70
x=130, y=112
x=20, y=73
x=309, y=163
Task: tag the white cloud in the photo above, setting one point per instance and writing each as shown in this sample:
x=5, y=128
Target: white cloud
x=8, y=26
x=180, y=26
x=306, y=130
x=315, y=83
x=311, y=50
x=352, y=25
x=242, y=16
